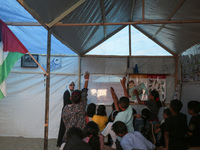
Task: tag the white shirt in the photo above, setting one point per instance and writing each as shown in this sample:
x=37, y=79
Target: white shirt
x=108, y=130
x=135, y=140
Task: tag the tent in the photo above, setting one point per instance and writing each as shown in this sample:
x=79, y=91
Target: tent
x=76, y=28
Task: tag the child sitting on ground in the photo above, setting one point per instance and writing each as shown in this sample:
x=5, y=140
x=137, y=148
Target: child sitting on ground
x=131, y=140
x=92, y=137
x=108, y=129
x=160, y=128
x=193, y=130
x=91, y=111
x=113, y=109
x=144, y=126
x=75, y=140
x=126, y=113
x=175, y=128
x=141, y=120
x=101, y=119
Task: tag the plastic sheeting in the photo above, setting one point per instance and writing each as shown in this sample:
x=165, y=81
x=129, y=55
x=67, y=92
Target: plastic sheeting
x=69, y=65
x=34, y=38
x=118, y=44
x=22, y=112
x=176, y=38
x=190, y=92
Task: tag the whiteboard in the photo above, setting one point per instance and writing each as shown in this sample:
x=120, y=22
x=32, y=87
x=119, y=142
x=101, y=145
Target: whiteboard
x=99, y=89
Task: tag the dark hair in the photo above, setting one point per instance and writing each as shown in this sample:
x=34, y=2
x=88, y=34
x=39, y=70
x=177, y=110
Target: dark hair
x=195, y=106
x=101, y=111
x=119, y=127
x=167, y=112
x=113, y=106
x=145, y=115
x=155, y=94
x=176, y=105
x=74, y=131
x=76, y=96
x=91, y=130
x=124, y=102
x=114, y=114
x=91, y=110
x=134, y=111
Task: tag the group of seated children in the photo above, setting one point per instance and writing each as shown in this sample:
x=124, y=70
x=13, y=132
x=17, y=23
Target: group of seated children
x=127, y=129
x=175, y=132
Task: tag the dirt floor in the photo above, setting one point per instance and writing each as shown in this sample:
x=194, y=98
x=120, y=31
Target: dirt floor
x=20, y=143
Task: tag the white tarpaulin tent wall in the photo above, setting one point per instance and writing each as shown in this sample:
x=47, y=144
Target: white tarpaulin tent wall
x=22, y=111
x=190, y=68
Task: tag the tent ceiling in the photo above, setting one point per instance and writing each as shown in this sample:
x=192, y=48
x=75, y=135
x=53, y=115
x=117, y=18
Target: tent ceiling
x=175, y=38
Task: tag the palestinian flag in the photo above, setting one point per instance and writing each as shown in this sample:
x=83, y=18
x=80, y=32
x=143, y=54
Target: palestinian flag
x=11, y=49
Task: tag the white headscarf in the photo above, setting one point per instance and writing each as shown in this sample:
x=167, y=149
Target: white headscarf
x=67, y=88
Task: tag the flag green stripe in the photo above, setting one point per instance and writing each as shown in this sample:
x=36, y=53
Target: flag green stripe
x=8, y=63
x=1, y=95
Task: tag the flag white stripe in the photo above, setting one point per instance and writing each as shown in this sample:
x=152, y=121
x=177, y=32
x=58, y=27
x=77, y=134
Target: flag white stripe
x=3, y=55
x=3, y=88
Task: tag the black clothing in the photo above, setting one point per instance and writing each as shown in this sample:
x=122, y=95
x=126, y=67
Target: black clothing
x=66, y=101
x=66, y=98
x=76, y=143
x=152, y=105
x=194, y=131
x=177, y=126
x=109, y=118
x=118, y=146
x=161, y=141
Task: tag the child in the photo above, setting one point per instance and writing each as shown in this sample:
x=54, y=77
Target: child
x=74, y=140
x=141, y=119
x=142, y=124
x=91, y=111
x=101, y=119
x=175, y=128
x=108, y=129
x=126, y=113
x=113, y=109
x=92, y=137
x=193, y=130
x=131, y=140
x=153, y=104
x=166, y=114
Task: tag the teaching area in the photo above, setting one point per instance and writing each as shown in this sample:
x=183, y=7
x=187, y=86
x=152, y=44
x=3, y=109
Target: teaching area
x=99, y=74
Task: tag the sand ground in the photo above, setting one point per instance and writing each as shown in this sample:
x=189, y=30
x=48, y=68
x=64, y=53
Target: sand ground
x=21, y=143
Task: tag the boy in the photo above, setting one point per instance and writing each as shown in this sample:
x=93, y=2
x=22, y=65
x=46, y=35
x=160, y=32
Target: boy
x=131, y=140
x=175, y=128
x=193, y=130
x=126, y=113
x=160, y=129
